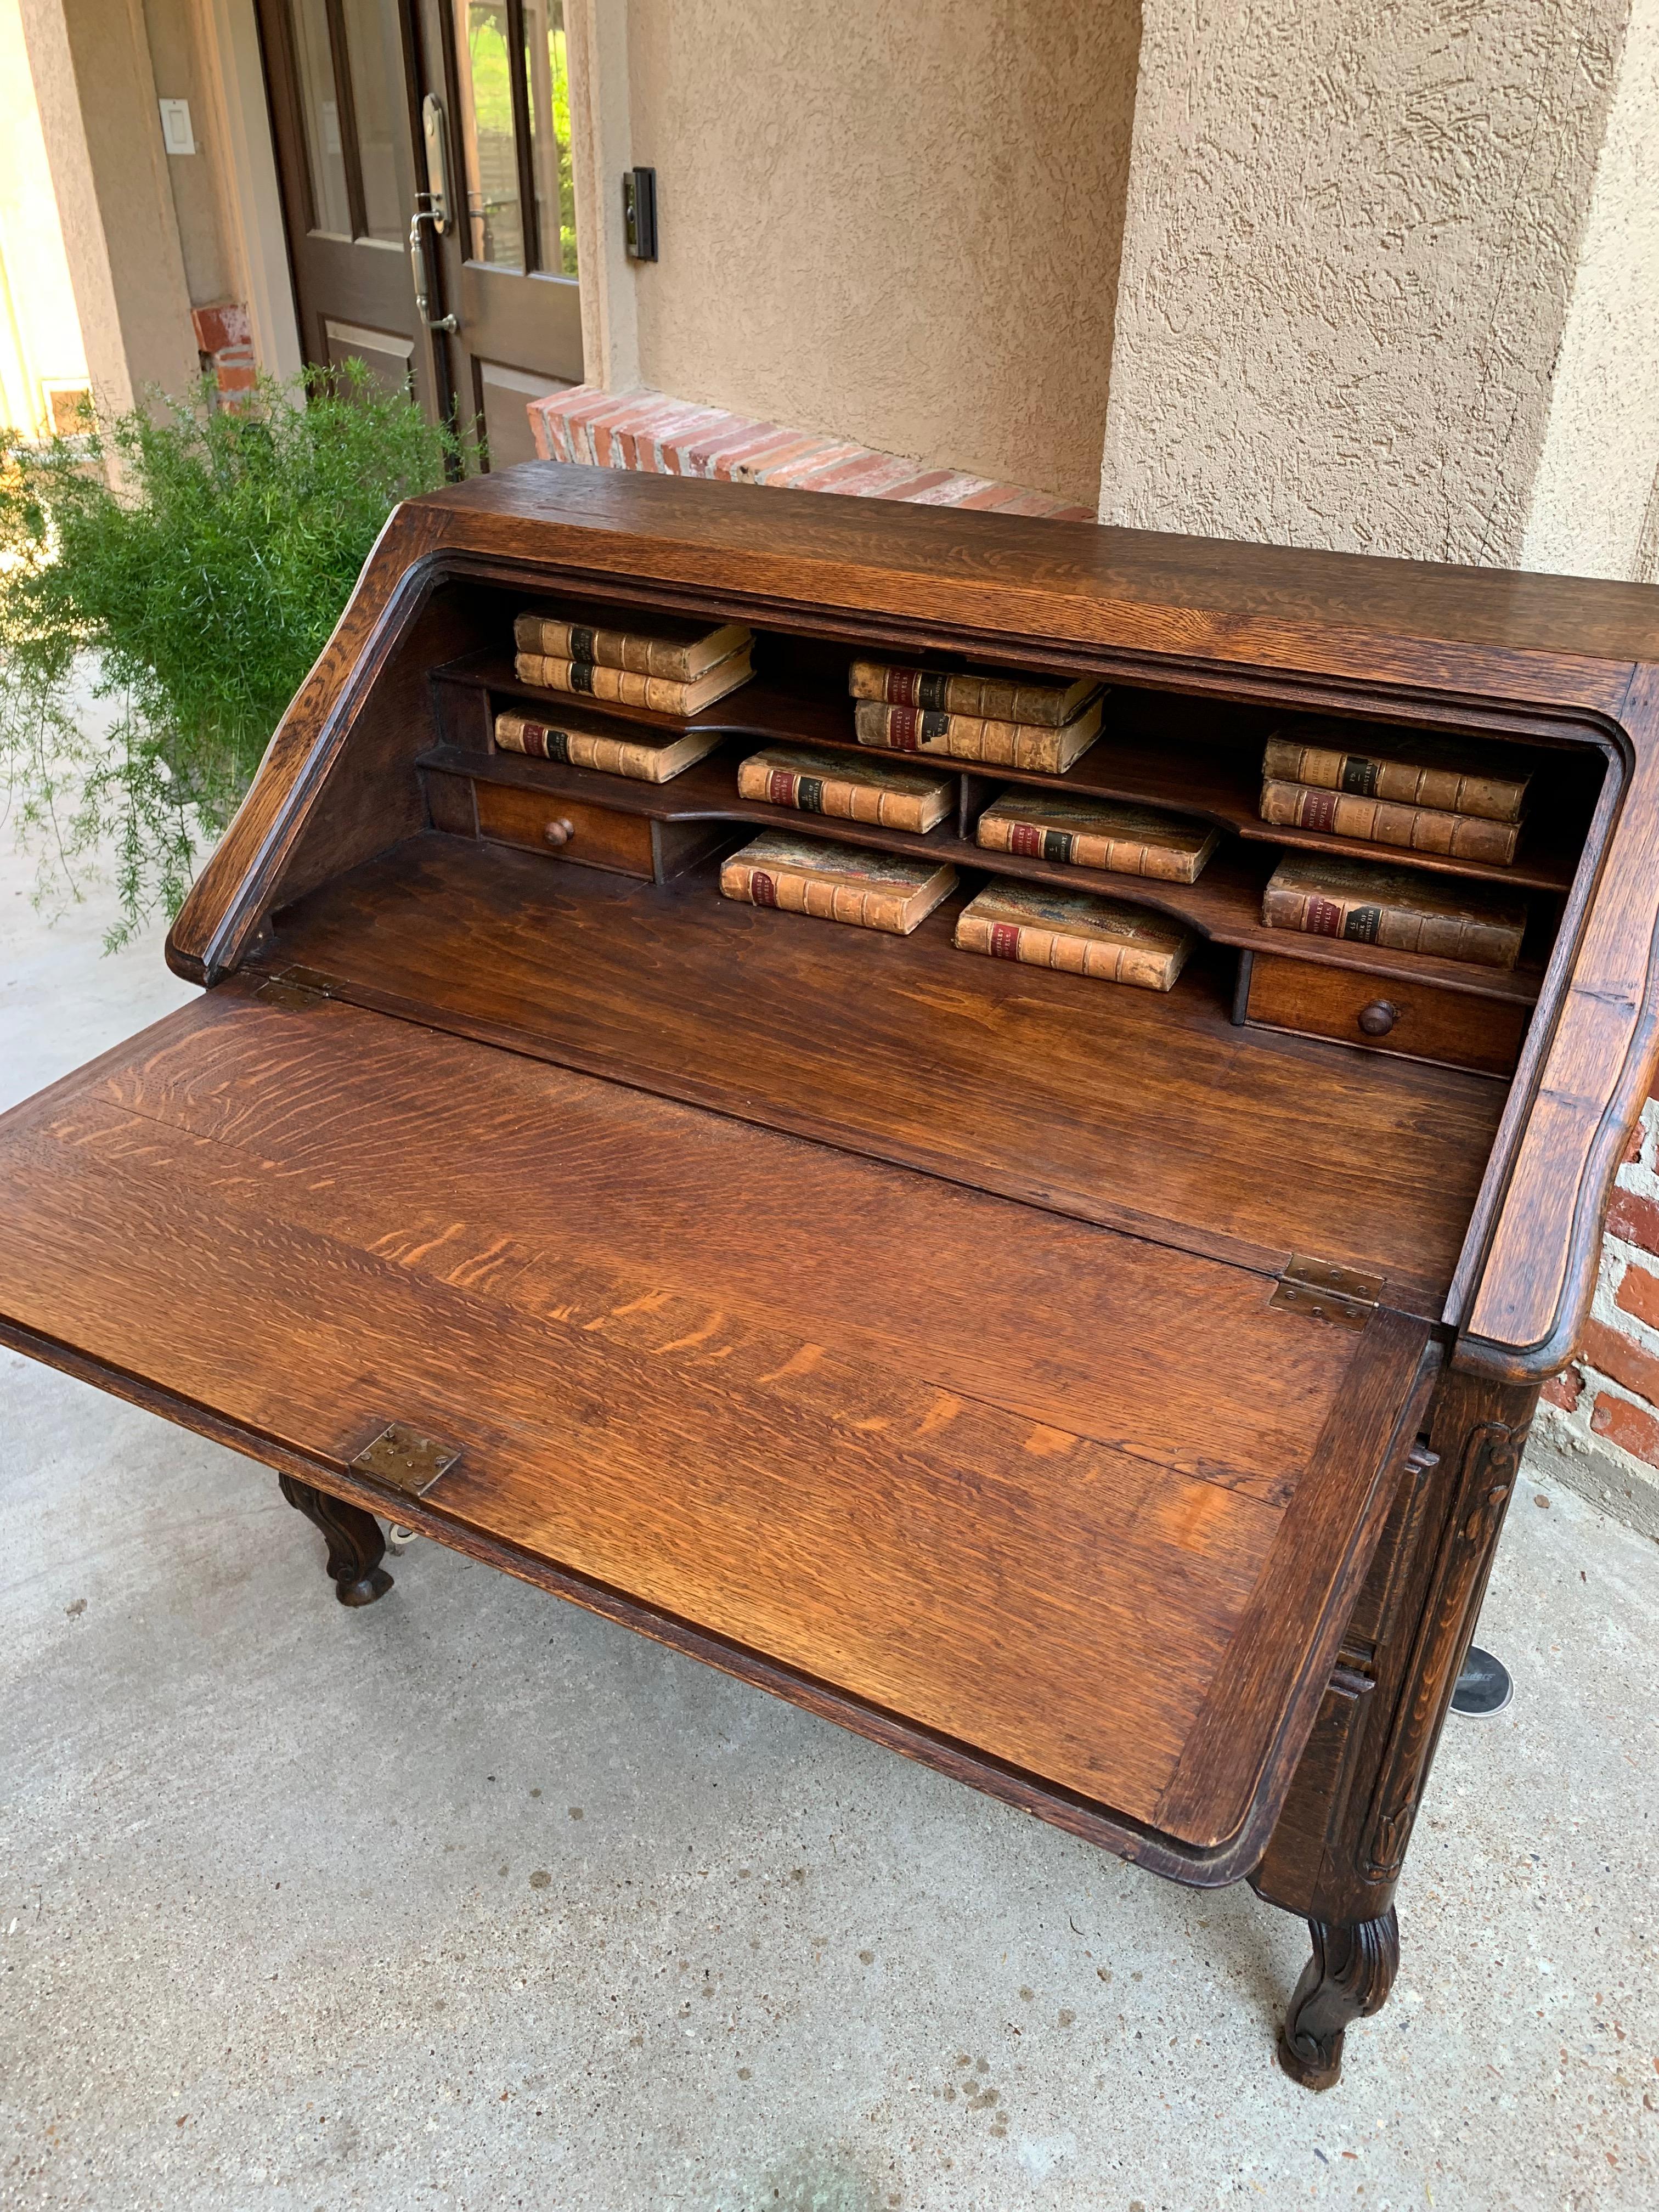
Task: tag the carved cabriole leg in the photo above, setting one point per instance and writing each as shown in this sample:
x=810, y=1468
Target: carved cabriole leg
x=1335, y=1857
x=355, y=1546
x=1347, y=1978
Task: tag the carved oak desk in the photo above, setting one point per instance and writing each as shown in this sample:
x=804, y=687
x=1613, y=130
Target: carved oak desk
x=1109, y=1398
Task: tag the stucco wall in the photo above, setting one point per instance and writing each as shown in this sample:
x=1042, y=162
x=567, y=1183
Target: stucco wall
x=1596, y=500
x=901, y=225
x=39, y=330
x=1349, y=255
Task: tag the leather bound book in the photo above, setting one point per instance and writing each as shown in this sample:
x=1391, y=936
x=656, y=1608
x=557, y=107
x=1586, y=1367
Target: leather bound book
x=681, y=651
x=1323, y=897
x=1096, y=833
x=1078, y=934
x=622, y=687
x=1009, y=697
x=1033, y=746
x=844, y=786
x=837, y=882
x=1453, y=778
x=1386, y=822
x=647, y=755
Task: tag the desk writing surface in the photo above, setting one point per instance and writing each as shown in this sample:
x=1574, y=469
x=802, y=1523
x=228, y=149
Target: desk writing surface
x=1041, y=1487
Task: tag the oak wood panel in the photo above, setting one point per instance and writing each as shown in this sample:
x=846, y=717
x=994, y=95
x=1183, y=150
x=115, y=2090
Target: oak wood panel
x=1224, y=903
x=900, y=1260
x=1093, y=1595
x=1140, y=1109
x=1424, y=1023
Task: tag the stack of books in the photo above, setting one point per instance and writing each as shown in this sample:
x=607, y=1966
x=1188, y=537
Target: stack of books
x=1422, y=795
x=1401, y=909
x=669, y=666
x=998, y=720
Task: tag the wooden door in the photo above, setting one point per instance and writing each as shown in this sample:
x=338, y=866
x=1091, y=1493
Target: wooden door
x=508, y=255
x=342, y=76
x=348, y=81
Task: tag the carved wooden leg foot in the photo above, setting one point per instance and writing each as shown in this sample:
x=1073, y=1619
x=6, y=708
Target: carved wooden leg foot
x=355, y=1546
x=1347, y=1978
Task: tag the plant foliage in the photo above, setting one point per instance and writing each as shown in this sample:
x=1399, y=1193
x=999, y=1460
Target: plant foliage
x=195, y=559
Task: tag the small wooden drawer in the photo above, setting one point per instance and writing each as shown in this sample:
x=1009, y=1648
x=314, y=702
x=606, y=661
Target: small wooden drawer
x=1453, y=1027
x=566, y=829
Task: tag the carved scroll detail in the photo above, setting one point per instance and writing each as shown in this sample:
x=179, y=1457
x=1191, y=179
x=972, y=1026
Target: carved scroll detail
x=1347, y=1978
x=1492, y=1455
x=356, y=1545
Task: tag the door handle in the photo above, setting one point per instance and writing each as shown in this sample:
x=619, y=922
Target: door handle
x=417, y=264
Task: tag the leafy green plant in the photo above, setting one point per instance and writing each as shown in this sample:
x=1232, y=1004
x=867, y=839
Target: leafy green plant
x=188, y=567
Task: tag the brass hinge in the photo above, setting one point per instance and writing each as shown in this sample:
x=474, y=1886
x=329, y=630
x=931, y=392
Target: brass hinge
x=405, y=1459
x=1321, y=1289
x=297, y=987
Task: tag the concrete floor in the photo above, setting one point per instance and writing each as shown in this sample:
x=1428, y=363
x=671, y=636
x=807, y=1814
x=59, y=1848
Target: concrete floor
x=470, y=1900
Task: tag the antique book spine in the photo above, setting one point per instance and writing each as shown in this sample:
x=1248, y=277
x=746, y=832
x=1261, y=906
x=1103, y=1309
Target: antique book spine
x=1384, y=822
x=961, y=736
x=793, y=892
x=991, y=698
x=1368, y=775
x=839, y=796
x=679, y=660
x=1124, y=856
x=1149, y=968
x=519, y=733
x=1396, y=925
x=622, y=687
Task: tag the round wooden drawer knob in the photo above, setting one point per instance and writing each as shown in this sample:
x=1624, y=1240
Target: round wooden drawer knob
x=561, y=832
x=1379, y=1018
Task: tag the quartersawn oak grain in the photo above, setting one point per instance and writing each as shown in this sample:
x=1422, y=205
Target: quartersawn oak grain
x=653, y=1426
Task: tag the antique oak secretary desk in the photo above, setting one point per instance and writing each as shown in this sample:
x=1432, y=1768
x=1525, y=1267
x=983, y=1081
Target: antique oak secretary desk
x=1109, y=1398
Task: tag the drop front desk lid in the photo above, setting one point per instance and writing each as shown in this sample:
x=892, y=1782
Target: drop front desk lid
x=1073, y=1515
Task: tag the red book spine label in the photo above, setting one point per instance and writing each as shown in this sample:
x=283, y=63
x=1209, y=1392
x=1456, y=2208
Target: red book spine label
x=781, y=787
x=1004, y=941
x=762, y=889
x=1316, y=810
x=1324, y=918
x=1025, y=838
x=903, y=687
x=904, y=729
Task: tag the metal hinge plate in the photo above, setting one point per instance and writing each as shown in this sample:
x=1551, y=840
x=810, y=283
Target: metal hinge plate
x=405, y=1459
x=1323, y=1290
x=297, y=987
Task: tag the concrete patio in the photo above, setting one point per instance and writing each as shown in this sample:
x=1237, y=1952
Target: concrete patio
x=471, y=1900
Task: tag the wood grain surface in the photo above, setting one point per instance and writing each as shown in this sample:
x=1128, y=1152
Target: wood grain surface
x=309, y=1221
x=1150, y=1114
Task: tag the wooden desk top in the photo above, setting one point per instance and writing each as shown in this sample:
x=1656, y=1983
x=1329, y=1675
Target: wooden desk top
x=922, y=1448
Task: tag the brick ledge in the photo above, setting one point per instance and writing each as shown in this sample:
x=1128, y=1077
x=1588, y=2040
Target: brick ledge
x=650, y=431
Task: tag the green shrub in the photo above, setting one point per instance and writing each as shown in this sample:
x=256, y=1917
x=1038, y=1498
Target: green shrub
x=196, y=563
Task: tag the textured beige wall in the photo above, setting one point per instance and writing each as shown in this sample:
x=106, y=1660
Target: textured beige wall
x=1596, y=498
x=1351, y=248
x=171, y=33
x=898, y=224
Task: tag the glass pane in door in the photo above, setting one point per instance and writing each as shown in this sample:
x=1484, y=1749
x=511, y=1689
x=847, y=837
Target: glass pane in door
x=320, y=104
x=484, y=56
x=549, y=135
x=375, y=43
